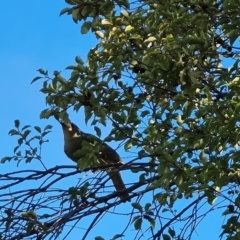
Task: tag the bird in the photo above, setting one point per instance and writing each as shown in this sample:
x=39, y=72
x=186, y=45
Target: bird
x=73, y=141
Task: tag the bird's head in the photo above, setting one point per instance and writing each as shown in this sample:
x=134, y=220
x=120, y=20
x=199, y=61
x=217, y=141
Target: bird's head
x=69, y=128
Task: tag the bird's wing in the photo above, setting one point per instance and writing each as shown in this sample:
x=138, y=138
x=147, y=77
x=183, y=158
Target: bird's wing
x=110, y=155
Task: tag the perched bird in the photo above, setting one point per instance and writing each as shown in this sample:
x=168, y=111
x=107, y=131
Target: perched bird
x=73, y=141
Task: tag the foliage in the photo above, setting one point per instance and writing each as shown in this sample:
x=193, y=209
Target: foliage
x=158, y=75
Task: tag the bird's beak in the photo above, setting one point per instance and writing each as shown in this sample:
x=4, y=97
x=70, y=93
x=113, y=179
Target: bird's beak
x=64, y=125
x=58, y=119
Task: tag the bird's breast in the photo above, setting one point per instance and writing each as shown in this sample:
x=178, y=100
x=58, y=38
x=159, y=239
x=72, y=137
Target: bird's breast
x=72, y=146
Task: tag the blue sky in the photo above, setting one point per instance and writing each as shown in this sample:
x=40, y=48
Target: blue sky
x=34, y=36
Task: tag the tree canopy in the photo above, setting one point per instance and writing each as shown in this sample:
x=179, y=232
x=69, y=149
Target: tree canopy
x=164, y=78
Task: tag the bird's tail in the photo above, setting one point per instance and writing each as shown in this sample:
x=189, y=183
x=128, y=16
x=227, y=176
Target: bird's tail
x=119, y=185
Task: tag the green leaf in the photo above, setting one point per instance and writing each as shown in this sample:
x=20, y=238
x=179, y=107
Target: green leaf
x=171, y=232
x=75, y=15
x=45, y=133
x=211, y=197
x=138, y=224
x=151, y=221
x=85, y=12
x=99, y=238
x=16, y=148
x=165, y=210
x=47, y=127
x=28, y=159
x=233, y=35
x=35, y=79
x=13, y=132
x=30, y=226
x=79, y=60
x=84, y=189
x=20, y=141
x=88, y=114
x=194, y=40
x=25, y=127
x=26, y=133
x=125, y=13
x=46, y=113
x=137, y=206
x=73, y=192
x=65, y=10
x=30, y=215
x=38, y=129
x=98, y=131
x=145, y=113
x=124, y=3
x=129, y=28
x=99, y=34
x=4, y=159
x=106, y=22
x=166, y=237
x=42, y=71
x=46, y=215
x=72, y=67
x=117, y=236
x=17, y=123
x=85, y=27
x=128, y=145
x=150, y=39
x=147, y=206
x=117, y=117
